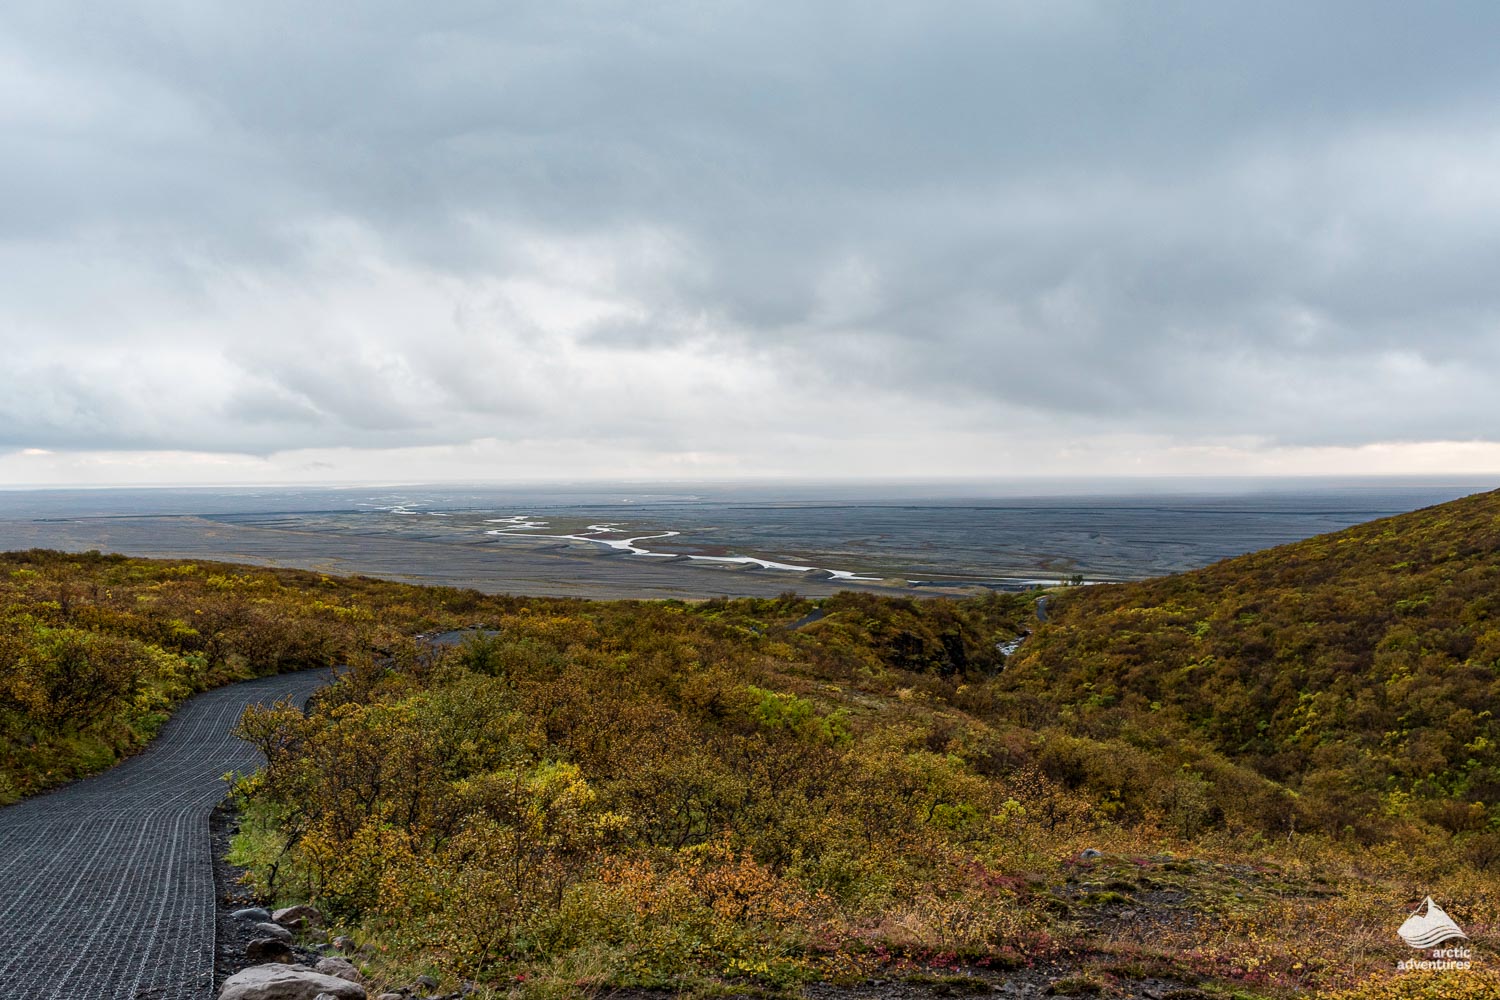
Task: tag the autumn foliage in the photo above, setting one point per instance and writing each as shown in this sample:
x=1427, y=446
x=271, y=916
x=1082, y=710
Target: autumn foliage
x=1270, y=761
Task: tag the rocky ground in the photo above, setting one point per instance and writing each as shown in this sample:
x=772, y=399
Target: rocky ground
x=232, y=936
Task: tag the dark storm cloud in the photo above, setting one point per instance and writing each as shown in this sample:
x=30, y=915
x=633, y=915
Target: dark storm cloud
x=271, y=226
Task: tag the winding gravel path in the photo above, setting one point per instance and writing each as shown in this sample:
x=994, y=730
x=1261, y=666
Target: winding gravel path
x=106, y=885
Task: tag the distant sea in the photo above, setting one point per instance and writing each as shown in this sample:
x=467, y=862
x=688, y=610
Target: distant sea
x=910, y=535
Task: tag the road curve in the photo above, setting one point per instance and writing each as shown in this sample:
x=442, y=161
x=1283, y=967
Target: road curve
x=106, y=885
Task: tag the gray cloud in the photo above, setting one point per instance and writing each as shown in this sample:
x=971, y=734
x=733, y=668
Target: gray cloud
x=682, y=227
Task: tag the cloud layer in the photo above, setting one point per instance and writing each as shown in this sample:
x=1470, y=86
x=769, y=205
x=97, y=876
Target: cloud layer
x=736, y=238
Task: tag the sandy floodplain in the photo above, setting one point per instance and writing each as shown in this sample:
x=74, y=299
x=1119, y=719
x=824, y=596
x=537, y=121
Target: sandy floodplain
x=538, y=567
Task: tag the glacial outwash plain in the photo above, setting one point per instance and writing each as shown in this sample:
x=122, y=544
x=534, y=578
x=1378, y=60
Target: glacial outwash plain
x=699, y=541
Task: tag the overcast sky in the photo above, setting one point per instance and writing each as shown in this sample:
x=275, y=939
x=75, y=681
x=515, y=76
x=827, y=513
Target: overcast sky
x=347, y=241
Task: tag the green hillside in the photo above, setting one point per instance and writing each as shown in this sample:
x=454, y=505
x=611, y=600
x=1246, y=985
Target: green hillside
x=1359, y=672
x=96, y=650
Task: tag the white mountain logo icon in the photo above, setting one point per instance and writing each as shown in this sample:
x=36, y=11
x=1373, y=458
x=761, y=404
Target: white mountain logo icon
x=1429, y=926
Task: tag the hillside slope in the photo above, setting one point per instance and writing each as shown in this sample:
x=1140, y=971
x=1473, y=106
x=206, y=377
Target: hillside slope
x=96, y=650
x=1358, y=670
x=1235, y=782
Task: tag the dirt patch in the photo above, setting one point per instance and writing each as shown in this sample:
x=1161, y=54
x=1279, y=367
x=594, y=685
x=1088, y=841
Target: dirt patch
x=1040, y=980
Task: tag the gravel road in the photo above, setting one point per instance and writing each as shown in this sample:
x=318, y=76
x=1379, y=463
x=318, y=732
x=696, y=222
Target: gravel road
x=106, y=885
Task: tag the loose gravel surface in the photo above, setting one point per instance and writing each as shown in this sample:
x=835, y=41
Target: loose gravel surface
x=108, y=884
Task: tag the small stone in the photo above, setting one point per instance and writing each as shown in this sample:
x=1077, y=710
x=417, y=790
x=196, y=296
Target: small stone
x=426, y=982
x=390, y=996
x=1089, y=854
x=298, y=916
x=252, y=914
x=275, y=931
x=268, y=950
x=341, y=967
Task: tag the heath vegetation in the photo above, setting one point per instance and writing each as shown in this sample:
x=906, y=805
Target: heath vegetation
x=1237, y=780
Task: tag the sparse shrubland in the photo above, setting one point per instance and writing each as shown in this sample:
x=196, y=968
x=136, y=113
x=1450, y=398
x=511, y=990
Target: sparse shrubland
x=1270, y=760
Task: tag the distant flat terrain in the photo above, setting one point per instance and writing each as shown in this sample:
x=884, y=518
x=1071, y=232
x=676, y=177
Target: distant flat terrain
x=512, y=568
x=622, y=541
